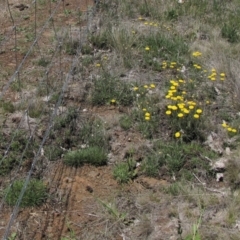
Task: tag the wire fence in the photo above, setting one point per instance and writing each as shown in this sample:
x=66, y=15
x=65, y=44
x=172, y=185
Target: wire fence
x=38, y=64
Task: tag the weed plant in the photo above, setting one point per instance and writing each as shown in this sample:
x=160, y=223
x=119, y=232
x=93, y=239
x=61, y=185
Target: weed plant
x=125, y=122
x=35, y=194
x=109, y=88
x=18, y=144
x=7, y=106
x=178, y=158
x=125, y=171
x=92, y=155
x=71, y=130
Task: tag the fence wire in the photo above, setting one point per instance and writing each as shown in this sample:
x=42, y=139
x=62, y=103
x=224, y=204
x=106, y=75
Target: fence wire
x=56, y=69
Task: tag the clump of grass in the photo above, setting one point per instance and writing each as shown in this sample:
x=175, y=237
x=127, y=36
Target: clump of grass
x=178, y=158
x=53, y=152
x=125, y=171
x=151, y=165
x=18, y=144
x=101, y=40
x=145, y=112
x=36, y=109
x=7, y=106
x=92, y=155
x=109, y=89
x=71, y=47
x=125, y=122
x=71, y=130
x=175, y=189
x=42, y=62
x=172, y=47
x=35, y=194
x=8, y=163
x=92, y=134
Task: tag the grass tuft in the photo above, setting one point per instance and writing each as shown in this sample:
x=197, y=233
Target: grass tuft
x=93, y=155
x=35, y=195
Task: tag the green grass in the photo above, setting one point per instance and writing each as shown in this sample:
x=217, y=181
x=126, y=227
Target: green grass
x=35, y=194
x=109, y=88
x=17, y=148
x=125, y=171
x=92, y=155
x=165, y=47
x=7, y=106
x=126, y=122
x=179, y=158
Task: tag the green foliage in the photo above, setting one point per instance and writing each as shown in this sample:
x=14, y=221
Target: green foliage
x=92, y=133
x=108, y=87
x=36, y=109
x=172, y=14
x=35, y=193
x=17, y=85
x=54, y=98
x=72, y=131
x=174, y=189
x=101, y=40
x=151, y=165
x=87, y=60
x=172, y=47
x=42, y=62
x=112, y=210
x=92, y=155
x=126, y=122
x=86, y=49
x=7, y=106
x=125, y=171
x=71, y=47
x=67, y=120
x=195, y=235
x=8, y=163
x=177, y=157
x=53, y=152
x=18, y=144
x=147, y=128
x=230, y=32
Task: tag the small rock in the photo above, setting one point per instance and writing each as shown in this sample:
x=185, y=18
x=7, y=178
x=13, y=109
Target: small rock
x=93, y=174
x=219, y=177
x=215, y=142
x=228, y=151
x=220, y=165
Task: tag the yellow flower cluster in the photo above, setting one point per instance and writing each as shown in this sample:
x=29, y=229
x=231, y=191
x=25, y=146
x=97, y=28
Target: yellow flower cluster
x=173, y=90
x=197, y=66
x=213, y=75
x=197, y=54
x=171, y=65
x=151, y=24
x=154, y=24
x=147, y=116
x=181, y=108
x=150, y=86
x=228, y=127
x=184, y=108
